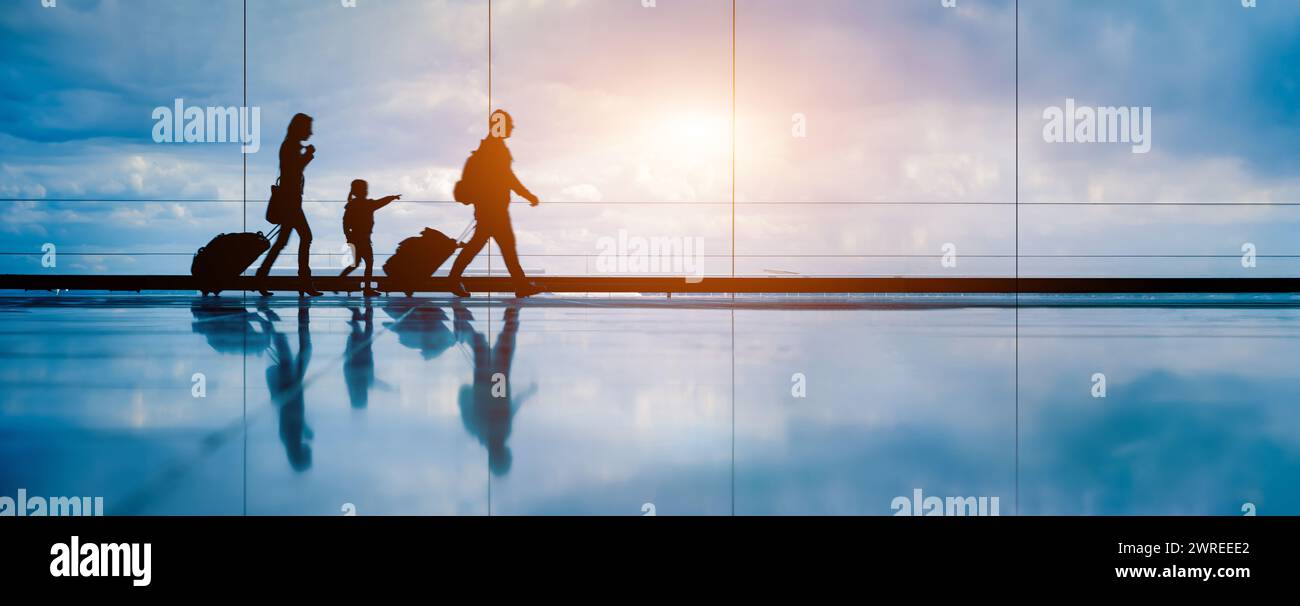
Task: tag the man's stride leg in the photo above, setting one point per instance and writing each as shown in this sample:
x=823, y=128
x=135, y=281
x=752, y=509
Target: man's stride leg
x=463, y=259
x=505, y=236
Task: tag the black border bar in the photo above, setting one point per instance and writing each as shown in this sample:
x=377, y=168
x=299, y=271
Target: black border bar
x=445, y=555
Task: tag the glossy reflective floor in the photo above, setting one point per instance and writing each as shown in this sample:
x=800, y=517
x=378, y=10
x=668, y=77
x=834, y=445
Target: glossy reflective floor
x=166, y=404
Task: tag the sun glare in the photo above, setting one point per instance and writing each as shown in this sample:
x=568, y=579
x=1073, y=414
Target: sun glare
x=690, y=136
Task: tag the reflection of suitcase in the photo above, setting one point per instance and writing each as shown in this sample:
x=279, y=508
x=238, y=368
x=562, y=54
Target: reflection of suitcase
x=417, y=258
x=226, y=257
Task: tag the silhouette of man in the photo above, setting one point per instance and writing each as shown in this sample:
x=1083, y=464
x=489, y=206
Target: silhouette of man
x=488, y=407
x=491, y=179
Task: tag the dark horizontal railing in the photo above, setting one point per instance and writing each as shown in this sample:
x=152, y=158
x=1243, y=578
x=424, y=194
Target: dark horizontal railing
x=628, y=284
x=683, y=202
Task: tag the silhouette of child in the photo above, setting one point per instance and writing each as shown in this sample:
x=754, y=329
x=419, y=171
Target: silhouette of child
x=358, y=224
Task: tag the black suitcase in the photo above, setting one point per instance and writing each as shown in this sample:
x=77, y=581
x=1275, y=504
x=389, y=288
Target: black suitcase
x=226, y=257
x=417, y=258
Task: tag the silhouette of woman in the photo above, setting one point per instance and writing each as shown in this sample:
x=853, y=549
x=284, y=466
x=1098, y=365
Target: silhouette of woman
x=286, y=209
x=284, y=379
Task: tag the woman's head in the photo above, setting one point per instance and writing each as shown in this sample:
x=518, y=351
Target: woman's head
x=360, y=189
x=299, y=128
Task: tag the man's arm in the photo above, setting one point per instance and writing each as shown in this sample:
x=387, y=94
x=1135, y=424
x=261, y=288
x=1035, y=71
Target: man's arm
x=522, y=191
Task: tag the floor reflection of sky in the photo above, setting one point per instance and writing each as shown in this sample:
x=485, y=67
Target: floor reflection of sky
x=602, y=406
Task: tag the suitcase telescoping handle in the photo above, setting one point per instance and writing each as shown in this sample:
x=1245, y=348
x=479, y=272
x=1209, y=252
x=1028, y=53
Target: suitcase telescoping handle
x=460, y=240
x=270, y=235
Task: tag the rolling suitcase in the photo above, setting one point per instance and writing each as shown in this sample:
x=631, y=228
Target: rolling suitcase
x=226, y=257
x=418, y=257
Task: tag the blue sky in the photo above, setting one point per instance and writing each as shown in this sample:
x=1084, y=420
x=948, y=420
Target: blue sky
x=619, y=105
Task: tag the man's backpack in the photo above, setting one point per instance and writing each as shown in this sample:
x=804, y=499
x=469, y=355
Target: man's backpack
x=469, y=188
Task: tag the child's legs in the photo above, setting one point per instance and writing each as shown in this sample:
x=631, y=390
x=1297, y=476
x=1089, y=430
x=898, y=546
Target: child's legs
x=356, y=258
x=365, y=251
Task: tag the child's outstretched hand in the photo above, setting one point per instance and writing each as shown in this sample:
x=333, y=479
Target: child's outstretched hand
x=533, y=200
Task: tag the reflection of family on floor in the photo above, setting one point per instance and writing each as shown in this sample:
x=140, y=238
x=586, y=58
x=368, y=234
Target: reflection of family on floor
x=486, y=182
x=487, y=404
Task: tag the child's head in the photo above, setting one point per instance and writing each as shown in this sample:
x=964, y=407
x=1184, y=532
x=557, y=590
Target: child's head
x=360, y=189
